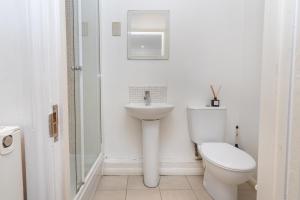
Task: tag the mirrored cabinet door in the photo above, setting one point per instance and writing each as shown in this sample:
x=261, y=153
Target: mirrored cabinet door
x=148, y=34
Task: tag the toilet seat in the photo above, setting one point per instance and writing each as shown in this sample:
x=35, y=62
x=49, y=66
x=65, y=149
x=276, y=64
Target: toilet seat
x=227, y=157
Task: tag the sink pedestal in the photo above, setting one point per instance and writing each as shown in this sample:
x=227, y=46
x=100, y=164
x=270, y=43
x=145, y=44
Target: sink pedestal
x=151, y=152
x=150, y=116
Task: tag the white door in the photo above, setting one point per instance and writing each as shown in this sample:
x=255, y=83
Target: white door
x=48, y=74
x=32, y=77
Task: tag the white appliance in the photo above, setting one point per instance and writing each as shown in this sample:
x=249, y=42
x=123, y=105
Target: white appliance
x=11, y=178
x=225, y=166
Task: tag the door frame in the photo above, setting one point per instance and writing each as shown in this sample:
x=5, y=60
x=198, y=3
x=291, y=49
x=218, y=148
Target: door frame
x=277, y=67
x=78, y=62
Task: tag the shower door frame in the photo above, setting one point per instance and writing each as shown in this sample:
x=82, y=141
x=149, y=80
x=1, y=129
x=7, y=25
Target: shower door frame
x=78, y=52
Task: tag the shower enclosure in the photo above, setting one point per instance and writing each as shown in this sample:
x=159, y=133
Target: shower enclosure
x=84, y=88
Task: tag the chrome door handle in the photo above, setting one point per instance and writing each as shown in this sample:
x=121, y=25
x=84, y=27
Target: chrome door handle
x=76, y=68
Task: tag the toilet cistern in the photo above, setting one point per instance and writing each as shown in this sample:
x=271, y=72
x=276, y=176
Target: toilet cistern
x=147, y=98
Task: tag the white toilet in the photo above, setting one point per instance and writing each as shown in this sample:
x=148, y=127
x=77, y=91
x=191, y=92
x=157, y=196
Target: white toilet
x=225, y=165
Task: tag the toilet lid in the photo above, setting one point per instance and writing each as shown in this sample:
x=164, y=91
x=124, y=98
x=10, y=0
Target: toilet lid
x=227, y=156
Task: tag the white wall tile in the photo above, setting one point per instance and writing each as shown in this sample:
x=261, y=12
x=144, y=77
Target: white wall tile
x=158, y=94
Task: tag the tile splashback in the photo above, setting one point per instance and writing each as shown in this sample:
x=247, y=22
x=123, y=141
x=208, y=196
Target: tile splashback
x=158, y=94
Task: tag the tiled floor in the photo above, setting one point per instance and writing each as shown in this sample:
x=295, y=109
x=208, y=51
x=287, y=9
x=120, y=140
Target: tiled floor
x=170, y=188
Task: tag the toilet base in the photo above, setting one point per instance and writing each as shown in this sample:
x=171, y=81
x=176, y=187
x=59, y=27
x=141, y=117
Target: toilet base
x=217, y=189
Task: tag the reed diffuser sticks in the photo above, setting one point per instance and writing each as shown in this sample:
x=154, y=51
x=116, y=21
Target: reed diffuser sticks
x=215, y=102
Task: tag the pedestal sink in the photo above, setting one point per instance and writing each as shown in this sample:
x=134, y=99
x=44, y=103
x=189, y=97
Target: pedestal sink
x=150, y=116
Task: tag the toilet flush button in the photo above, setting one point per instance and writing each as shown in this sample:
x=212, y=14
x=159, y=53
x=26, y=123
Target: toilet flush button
x=7, y=141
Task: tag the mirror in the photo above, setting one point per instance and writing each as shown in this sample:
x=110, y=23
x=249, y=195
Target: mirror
x=148, y=35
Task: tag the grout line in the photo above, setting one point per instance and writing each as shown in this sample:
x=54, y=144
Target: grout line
x=192, y=188
x=126, y=187
x=195, y=194
x=159, y=189
x=190, y=184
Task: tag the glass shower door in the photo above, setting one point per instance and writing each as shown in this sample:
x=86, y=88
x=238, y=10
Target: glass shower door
x=90, y=38
x=83, y=36
x=74, y=88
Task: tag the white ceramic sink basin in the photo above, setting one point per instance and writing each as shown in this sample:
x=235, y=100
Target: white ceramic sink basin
x=155, y=111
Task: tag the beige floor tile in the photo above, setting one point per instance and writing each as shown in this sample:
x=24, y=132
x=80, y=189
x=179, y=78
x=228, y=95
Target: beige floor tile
x=172, y=188
x=245, y=186
x=202, y=194
x=143, y=195
x=247, y=196
x=196, y=182
x=137, y=183
x=113, y=183
x=110, y=195
x=174, y=183
x=178, y=195
x=246, y=192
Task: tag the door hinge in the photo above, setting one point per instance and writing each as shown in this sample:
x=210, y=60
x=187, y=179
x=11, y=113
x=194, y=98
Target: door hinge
x=76, y=68
x=53, y=123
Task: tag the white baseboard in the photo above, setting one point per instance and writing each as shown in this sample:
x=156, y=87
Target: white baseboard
x=88, y=190
x=129, y=167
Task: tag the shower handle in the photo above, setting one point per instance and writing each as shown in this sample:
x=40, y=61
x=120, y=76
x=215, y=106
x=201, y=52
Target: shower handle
x=76, y=68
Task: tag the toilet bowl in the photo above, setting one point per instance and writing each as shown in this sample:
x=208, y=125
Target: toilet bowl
x=225, y=168
x=225, y=165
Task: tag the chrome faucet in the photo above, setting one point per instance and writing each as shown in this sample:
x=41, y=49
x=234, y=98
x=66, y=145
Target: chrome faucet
x=147, y=98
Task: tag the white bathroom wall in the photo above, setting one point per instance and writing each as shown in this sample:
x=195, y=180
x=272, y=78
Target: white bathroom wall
x=250, y=83
x=13, y=62
x=15, y=102
x=208, y=43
